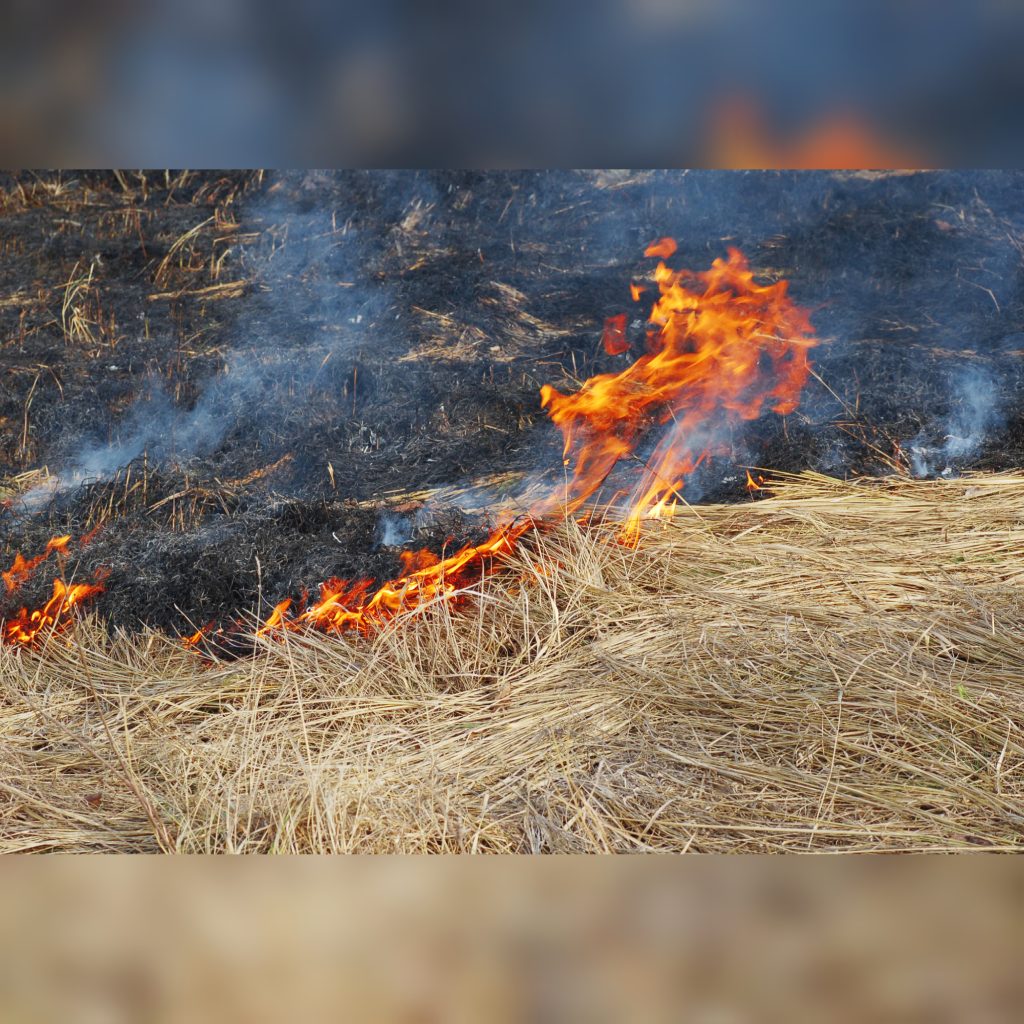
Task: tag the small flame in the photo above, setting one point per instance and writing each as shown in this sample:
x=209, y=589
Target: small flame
x=663, y=248
x=22, y=568
x=196, y=637
x=27, y=626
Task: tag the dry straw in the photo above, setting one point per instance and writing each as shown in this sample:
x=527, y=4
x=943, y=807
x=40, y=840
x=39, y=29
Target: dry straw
x=838, y=667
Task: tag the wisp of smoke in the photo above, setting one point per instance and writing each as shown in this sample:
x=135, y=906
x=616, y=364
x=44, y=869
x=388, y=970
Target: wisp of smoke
x=976, y=413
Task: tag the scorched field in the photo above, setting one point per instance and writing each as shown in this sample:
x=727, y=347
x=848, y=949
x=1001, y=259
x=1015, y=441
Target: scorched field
x=511, y=512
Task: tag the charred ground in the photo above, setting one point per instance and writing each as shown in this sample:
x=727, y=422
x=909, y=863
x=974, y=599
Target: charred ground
x=350, y=343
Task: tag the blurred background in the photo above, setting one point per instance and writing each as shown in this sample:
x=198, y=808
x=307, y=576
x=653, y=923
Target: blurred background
x=884, y=939
x=606, y=83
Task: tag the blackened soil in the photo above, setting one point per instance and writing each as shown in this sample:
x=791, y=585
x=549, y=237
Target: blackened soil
x=266, y=364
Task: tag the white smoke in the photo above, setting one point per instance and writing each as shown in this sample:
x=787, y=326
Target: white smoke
x=976, y=413
x=394, y=530
x=236, y=398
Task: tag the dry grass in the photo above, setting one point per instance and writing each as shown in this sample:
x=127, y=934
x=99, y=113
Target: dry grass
x=839, y=667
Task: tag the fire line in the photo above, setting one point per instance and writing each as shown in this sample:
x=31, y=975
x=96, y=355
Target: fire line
x=720, y=349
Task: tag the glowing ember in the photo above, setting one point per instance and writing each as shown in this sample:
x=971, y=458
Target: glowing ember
x=663, y=248
x=614, y=338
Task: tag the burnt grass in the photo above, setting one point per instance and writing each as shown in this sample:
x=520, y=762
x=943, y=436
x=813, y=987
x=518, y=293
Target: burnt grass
x=272, y=362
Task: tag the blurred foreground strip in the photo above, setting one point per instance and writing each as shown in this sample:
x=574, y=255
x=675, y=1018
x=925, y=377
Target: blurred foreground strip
x=744, y=940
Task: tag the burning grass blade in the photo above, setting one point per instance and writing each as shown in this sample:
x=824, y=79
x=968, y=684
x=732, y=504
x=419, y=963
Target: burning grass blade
x=22, y=568
x=30, y=626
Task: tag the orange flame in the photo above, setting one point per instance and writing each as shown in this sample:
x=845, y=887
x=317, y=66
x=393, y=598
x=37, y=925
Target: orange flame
x=22, y=568
x=663, y=248
x=352, y=605
x=27, y=626
x=724, y=349
x=721, y=350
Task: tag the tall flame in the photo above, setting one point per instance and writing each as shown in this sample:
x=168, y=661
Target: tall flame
x=27, y=625
x=720, y=349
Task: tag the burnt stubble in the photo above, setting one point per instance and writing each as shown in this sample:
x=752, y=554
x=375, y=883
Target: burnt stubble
x=238, y=377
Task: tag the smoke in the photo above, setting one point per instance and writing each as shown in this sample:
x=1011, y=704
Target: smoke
x=393, y=530
x=843, y=235
x=976, y=413
x=312, y=303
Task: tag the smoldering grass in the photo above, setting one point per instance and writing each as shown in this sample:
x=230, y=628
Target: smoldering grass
x=834, y=668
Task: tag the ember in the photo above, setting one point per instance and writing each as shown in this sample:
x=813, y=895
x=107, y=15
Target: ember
x=614, y=339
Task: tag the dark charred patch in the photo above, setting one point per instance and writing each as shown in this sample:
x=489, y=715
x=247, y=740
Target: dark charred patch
x=392, y=331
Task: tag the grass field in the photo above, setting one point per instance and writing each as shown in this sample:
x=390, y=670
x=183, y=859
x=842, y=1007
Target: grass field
x=837, y=667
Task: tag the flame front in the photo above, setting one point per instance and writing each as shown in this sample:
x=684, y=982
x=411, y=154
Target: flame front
x=741, y=137
x=720, y=349
x=345, y=605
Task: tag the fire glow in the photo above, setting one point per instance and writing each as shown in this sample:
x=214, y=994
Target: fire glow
x=353, y=605
x=26, y=627
x=720, y=349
